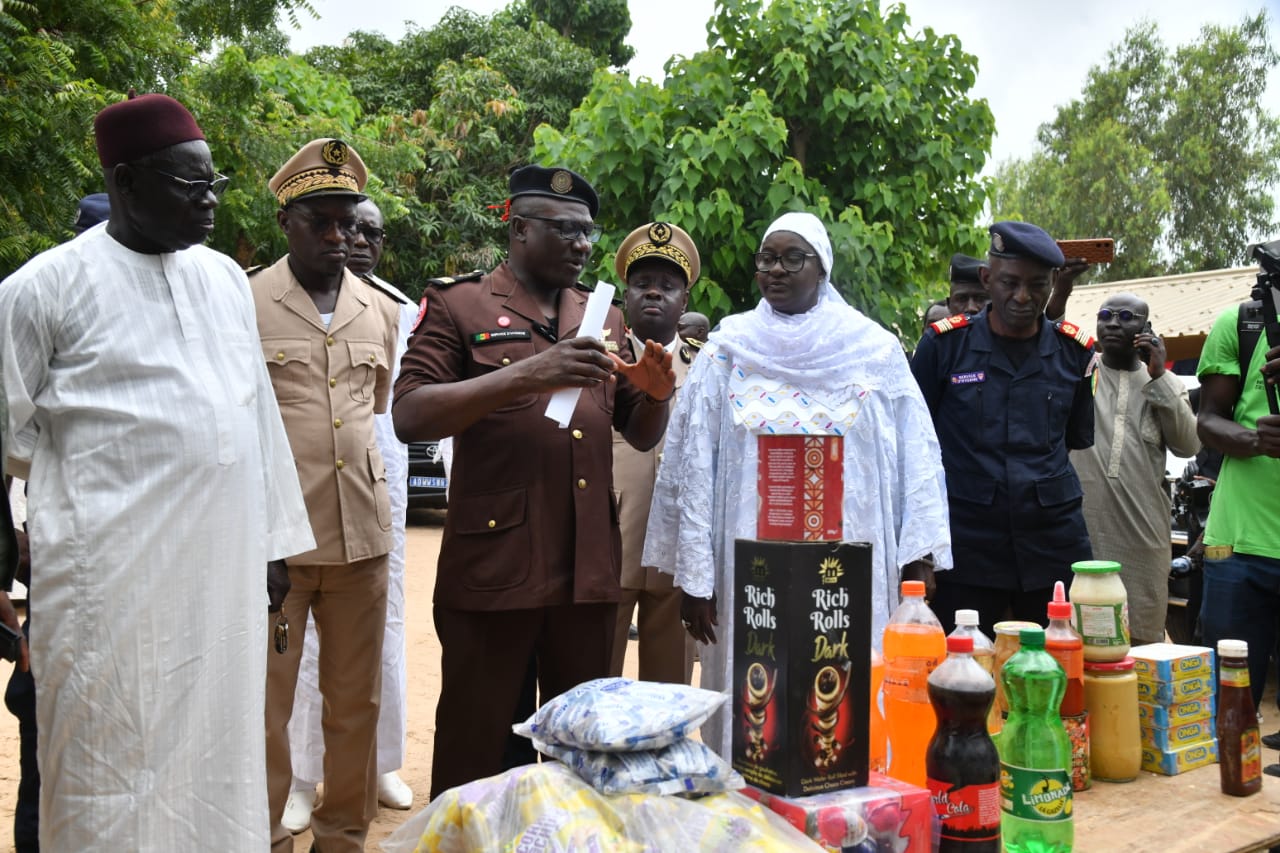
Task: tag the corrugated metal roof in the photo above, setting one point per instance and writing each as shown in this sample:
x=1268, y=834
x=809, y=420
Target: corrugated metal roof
x=1183, y=307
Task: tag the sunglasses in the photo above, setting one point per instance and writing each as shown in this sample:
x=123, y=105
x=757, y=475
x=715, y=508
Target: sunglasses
x=1124, y=314
x=195, y=190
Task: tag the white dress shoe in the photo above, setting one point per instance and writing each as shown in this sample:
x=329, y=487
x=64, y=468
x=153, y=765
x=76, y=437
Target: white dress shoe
x=297, y=810
x=393, y=792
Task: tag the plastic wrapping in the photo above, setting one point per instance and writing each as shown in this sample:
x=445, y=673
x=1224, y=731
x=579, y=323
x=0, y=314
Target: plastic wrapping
x=547, y=808
x=684, y=767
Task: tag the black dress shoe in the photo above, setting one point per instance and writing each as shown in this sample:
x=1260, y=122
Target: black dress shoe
x=1272, y=770
x=1271, y=741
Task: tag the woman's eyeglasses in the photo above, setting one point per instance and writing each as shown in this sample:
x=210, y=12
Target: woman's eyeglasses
x=1124, y=314
x=195, y=190
x=791, y=261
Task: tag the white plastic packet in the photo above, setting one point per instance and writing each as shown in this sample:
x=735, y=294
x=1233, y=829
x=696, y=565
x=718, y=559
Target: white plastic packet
x=684, y=767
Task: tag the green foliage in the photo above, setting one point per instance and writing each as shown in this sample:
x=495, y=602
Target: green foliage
x=205, y=20
x=1168, y=152
x=598, y=25
x=831, y=107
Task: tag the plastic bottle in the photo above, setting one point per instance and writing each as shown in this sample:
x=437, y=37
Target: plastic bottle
x=914, y=645
x=878, y=749
x=962, y=764
x=1035, y=753
x=1006, y=646
x=984, y=652
x=1239, y=746
x=1062, y=641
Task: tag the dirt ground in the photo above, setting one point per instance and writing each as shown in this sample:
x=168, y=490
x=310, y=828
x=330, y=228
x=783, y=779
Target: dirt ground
x=422, y=548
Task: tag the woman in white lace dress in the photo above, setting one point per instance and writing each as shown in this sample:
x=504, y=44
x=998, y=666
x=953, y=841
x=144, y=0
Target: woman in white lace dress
x=802, y=362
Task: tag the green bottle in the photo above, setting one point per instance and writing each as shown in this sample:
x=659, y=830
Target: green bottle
x=1035, y=753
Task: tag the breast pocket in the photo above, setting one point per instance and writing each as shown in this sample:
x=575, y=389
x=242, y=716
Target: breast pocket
x=495, y=525
x=367, y=358
x=486, y=358
x=289, y=365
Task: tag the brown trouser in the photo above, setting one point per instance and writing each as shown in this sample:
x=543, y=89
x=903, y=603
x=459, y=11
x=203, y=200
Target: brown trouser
x=663, y=656
x=484, y=658
x=350, y=607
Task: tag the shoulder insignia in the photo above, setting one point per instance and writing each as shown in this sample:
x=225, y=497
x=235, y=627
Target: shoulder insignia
x=947, y=324
x=422, y=315
x=588, y=289
x=254, y=270
x=1077, y=334
x=387, y=289
x=450, y=280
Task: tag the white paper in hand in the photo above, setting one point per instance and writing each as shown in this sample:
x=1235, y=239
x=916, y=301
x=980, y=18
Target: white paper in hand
x=563, y=402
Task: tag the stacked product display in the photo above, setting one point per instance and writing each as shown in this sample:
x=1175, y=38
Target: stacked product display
x=1176, y=706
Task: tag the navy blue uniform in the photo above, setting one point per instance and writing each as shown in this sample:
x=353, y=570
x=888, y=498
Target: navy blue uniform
x=1015, y=501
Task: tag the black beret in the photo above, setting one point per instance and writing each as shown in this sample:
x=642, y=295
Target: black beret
x=554, y=183
x=1024, y=240
x=965, y=268
x=93, y=208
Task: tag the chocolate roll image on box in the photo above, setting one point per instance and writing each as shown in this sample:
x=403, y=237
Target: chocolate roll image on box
x=801, y=665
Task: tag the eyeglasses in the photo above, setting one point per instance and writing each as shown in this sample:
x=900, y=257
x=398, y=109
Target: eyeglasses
x=570, y=230
x=373, y=235
x=1124, y=314
x=196, y=190
x=791, y=261
x=320, y=225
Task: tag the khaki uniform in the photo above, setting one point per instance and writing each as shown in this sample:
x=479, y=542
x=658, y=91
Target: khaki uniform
x=329, y=383
x=663, y=652
x=531, y=552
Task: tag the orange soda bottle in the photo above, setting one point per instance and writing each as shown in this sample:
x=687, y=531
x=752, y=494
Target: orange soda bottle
x=879, y=745
x=914, y=645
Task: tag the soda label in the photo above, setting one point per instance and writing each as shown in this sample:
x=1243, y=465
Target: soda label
x=1233, y=677
x=1250, y=756
x=968, y=813
x=906, y=679
x=1043, y=795
x=1102, y=624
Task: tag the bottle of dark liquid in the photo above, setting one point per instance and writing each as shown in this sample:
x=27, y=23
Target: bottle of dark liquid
x=961, y=762
x=1239, y=745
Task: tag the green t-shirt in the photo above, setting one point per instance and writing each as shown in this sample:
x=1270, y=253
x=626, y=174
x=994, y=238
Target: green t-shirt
x=1245, y=511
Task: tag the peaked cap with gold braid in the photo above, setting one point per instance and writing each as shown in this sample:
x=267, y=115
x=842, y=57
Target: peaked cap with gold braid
x=659, y=240
x=322, y=167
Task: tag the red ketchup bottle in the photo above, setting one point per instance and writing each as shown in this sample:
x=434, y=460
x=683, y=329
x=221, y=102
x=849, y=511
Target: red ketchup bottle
x=1062, y=641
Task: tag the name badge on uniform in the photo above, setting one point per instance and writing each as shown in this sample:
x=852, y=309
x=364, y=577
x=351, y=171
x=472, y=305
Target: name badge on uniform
x=969, y=378
x=499, y=335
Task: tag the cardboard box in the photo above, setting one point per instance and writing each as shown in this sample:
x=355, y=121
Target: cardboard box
x=1171, y=662
x=800, y=488
x=1168, y=716
x=1179, y=736
x=884, y=815
x=1175, y=692
x=1171, y=762
x=801, y=665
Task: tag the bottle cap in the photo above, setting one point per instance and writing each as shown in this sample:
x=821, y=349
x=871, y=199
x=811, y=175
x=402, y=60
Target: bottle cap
x=1095, y=567
x=1013, y=627
x=1032, y=637
x=1059, y=608
x=1122, y=665
x=959, y=644
x=913, y=588
x=1233, y=649
x=968, y=618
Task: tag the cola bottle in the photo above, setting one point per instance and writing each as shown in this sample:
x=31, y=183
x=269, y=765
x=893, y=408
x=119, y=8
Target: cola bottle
x=961, y=762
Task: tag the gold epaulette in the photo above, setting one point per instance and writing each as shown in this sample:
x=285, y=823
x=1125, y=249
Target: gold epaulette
x=1077, y=334
x=450, y=280
x=947, y=324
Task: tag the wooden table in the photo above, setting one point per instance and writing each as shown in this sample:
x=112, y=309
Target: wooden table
x=1177, y=814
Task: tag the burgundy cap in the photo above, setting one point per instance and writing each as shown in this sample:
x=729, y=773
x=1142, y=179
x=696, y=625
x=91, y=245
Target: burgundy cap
x=129, y=130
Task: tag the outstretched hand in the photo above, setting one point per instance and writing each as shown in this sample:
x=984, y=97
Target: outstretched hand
x=652, y=374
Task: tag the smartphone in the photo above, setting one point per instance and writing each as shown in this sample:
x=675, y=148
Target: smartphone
x=10, y=643
x=1145, y=352
x=1095, y=250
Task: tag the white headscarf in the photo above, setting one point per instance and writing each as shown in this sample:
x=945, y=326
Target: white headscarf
x=807, y=373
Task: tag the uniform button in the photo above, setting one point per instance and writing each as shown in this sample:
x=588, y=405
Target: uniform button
x=337, y=423
x=577, y=433
x=493, y=523
x=340, y=464
x=373, y=358
x=279, y=356
x=505, y=362
x=333, y=383
x=328, y=341
x=582, y=484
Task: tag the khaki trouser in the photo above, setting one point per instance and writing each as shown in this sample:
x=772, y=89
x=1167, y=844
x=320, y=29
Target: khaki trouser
x=664, y=655
x=350, y=607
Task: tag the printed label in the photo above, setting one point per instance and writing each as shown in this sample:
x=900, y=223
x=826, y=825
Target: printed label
x=968, y=813
x=1042, y=795
x=1233, y=677
x=906, y=679
x=1102, y=624
x=1250, y=756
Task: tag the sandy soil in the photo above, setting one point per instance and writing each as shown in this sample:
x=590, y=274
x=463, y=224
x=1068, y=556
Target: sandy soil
x=423, y=546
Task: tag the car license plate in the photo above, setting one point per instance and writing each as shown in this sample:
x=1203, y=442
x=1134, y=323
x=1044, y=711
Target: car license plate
x=428, y=482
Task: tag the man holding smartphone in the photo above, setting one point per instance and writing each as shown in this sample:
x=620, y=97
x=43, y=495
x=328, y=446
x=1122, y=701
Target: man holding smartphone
x=1140, y=410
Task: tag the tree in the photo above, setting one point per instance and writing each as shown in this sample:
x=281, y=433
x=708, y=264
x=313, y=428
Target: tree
x=598, y=25
x=1169, y=152
x=830, y=106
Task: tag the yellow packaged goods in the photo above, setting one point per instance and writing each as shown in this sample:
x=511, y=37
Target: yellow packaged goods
x=1168, y=716
x=546, y=807
x=1175, y=692
x=1171, y=762
x=1171, y=662
x=1179, y=736
x=1115, y=737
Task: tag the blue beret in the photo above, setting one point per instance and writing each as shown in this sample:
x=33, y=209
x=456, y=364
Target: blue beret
x=554, y=183
x=965, y=268
x=93, y=209
x=1024, y=240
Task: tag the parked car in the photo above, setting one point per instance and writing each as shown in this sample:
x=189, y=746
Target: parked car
x=428, y=482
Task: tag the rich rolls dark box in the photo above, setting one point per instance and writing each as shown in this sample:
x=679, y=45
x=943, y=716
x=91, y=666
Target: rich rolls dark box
x=801, y=664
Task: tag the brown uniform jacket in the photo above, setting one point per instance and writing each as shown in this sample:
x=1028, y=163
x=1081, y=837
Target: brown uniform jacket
x=329, y=383
x=532, y=519
x=634, y=473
